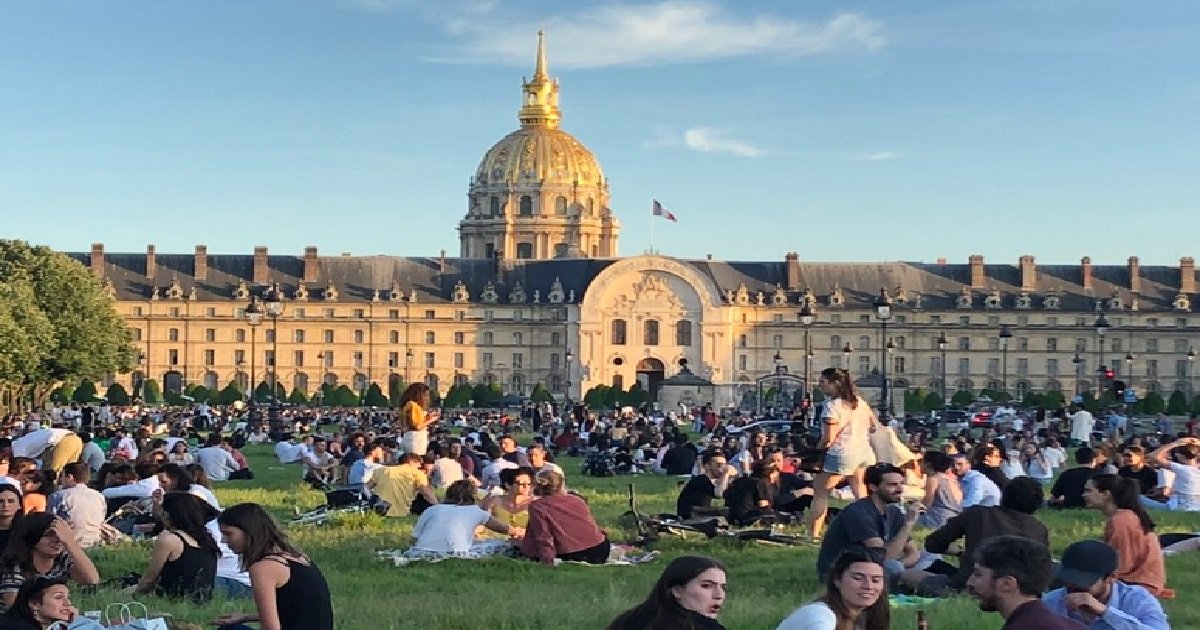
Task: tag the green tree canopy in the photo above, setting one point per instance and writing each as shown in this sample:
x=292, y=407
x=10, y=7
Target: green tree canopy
x=68, y=326
x=459, y=396
x=297, y=397
x=85, y=393
x=63, y=394
x=541, y=394
x=396, y=391
x=151, y=392
x=1177, y=404
x=375, y=397
x=199, y=393
x=230, y=394
x=932, y=401
x=117, y=395
x=342, y=396
x=262, y=392
x=1153, y=403
x=962, y=398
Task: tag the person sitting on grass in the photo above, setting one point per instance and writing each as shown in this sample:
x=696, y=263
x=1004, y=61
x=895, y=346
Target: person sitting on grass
x=183, y=562
x=176, y=478
x=1129, y=530
x=689, y=594
x=290, y=592
x=42, y=604
x=977, y=488
x=561, y=527
x=1182, y=459
x=512, y=507
x=1093, y=596
x=975, y=525
x=752, y=498
x=876, y=523
x=401, y=486
x=42, y=545
x=320, y=465
x=715, y=476
x=943, y=494
x=363, y=468
x=1067, y=491
x=1009, y=577
x=82, y=507
x=855, y=597
x=447, y=530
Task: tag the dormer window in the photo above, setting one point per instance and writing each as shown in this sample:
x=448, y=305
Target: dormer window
x=1053, y=303
x=1024, y=302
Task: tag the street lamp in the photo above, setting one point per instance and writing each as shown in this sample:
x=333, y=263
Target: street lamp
x=567, y=360
x=942, y=345
x=1191, y=357
x=408, y=358
x=846, y=352
x=1005, y=335
x=273, y=303
x=1078, y=361
x=883, y=311
x=1101, y=327
x=1129, y=369
x=321, y=385
x=780, y=368
x=807, y=317
x=254, y=316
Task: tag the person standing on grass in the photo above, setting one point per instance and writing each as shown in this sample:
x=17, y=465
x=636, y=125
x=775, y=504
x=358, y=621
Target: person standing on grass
x=688, y=595
x=290, y=592
x=855, y=597
x=415, y=419
x=1093, y=596
x=1009, y=577
x=845, y=433
x=1129, y=530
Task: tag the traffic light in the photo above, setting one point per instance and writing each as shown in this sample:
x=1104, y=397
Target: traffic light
x=1109, y=374
x=1118, y=389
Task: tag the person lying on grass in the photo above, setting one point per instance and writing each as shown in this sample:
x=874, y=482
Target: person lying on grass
x=447, y=530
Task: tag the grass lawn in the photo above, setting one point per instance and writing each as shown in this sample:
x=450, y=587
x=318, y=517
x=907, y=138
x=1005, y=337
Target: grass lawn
x=765, y=583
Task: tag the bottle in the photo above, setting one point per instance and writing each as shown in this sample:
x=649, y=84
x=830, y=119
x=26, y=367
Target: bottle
x=922, y=620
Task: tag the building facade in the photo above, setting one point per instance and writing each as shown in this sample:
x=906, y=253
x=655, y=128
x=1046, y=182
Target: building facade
x=539, y=295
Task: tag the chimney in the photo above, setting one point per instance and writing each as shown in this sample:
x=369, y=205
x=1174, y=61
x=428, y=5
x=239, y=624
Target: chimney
x=442, y=262
x=1085, y=265
x=201, y=267
x=1135, y=275
x=1028, y=274
x=97, y=263
x=1187, y=275
x=260, y=265
x=791, y=264
x=941, y=261
x=151, y=262
x=310, y=264
x=978, y=277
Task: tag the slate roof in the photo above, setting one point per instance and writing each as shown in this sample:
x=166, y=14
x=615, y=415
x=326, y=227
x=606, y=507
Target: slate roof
x=434, y=279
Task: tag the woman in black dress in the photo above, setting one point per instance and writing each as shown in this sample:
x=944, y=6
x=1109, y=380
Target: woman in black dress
x=289, y=590
x=183, y=562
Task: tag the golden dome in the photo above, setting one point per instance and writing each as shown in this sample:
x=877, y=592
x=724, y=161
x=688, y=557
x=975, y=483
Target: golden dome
x=539, y=155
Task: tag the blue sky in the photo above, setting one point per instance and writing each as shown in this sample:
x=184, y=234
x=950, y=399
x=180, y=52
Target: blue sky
x=841, y=130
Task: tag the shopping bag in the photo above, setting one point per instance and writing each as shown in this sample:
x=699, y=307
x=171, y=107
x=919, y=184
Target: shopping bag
x=84, y=623
x=126, y=617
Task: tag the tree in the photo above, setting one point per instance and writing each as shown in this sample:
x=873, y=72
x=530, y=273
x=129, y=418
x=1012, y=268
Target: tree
x=325, y=394
x=85, y=393
x=375, y=397
x=932, y=402
x=396, y=389
x=1177, y=405
x=151, y=392
x=613, y=397
x=595, y=398
x=1052, y=400
x=262, y=393
x=540, y=394
x=1196, y=405
x=230, y=394
x=962, y=398
x=297, y=397
x=342, y=396
x=636, y=397
x=1153, y=403
x=68, y=327
x=117, y=395
x=459, y=396
x=63, y=394
x=200, y=393
x=479, y=393
x=1033, y=399
x=914, y=399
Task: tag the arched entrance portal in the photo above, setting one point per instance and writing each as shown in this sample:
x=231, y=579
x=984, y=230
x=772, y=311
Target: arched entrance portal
x=650, y=373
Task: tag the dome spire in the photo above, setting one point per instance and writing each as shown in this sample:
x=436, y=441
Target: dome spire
x=539, y=106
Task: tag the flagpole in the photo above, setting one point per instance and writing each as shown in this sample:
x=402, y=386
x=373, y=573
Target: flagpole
x=653, y=220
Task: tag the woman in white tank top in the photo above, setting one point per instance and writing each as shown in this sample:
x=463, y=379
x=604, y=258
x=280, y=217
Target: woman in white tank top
x=845, y=432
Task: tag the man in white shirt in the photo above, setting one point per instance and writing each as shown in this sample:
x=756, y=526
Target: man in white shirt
x=1082, y=423
x=446, y=470
x=363, y=468
x=143, y=488
x=82, y=507
x=491, y=471
x=216, y=461
x=125, y=445
x=92, y=454
x=539, y=462
x=287, y=452
x=319, y=465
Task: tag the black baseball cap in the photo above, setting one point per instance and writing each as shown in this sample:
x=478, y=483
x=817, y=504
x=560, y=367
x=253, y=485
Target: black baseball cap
x=1086, y=562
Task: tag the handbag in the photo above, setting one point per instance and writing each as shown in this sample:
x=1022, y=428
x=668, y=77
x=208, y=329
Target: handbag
x=126, y=617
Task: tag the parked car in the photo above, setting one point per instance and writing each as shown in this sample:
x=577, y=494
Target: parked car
x=953, y=420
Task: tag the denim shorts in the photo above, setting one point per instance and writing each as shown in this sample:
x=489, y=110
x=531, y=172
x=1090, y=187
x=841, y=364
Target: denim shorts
x=846, y=463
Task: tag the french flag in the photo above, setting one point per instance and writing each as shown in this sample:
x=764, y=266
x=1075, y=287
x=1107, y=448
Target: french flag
x=660, y=211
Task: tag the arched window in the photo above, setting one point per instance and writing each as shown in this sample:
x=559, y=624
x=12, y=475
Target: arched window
x=432, y=381
x=683, y=333
x=210, y=381
x=494, y=205
x=618, y=332
x=524, y=251
x=560, y=205
x=650, y=332
x=300, y=382
x=526, y=206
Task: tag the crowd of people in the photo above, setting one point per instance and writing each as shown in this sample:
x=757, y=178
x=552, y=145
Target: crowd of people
x=923, y=518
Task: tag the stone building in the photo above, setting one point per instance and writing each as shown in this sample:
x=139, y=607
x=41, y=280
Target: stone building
x=539, y=295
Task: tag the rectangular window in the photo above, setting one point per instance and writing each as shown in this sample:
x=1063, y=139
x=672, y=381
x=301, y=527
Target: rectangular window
x=935, y=319
x=210, y=334
x=358, y=359
x=1181, y=322
x=269, y=335
x=1151, y=345
x=1022, y=366
x=328, y=336
x=864, y=366
x=393, y=359
x=459, y=361
x=240, y=335
x=430, y=361
x=1152, y=368
x=1181, y=368
x=360, y=313
x=137, y=333
x=460, y=338
x=555, y=339
x=460, y=315
x=964, y=367
x=993, y=343
x=1081, y=322
x=1022, y=343
x=518, y=361
x=173, y=357
x=298, y=312
x=298, y=336
x=554, y=360
x=210, y=357
x=394, y=336
x=964, y=343
x=518, y=339
x=239, y=357
x=1023, y=320
x=518, y=315
x=777, y=341
x=1052, y=321
x=1116, y=344
x=137, y=311
x=1052, y=344
x=901, y=320
x=1052, y=367
x=993, y=320
x=328, y=313
x=328, y=358
x=778, y=318
x=175, y=311
x=935, y=366
x=488, y=361
x=298, y=358
x=835, y=319
x=394, y=313
x=359, y=336
x=430, y=338
x=488, y=339
x=742, y=362
x=965, y=320
x=993, y=367
x=173, y=334
x=742, y=341
x=899, y=365
x=864, y=319
x=1181, y=345
x=269, y=358
x=430, y=314
x=1151, y=322
x=1081, y=344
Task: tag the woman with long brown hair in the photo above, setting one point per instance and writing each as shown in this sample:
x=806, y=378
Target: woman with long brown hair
x=415, y=419
x=855, y=598
x=845, y=432
x=687, y=596
x=290, y=592
x=1128, y=529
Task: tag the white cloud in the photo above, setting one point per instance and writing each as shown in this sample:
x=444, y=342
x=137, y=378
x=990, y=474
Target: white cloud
x=880, y=156
x=669, y=32
x=711, y=140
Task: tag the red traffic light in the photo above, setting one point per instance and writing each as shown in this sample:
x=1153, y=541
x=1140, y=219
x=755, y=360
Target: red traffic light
x=1109, y=374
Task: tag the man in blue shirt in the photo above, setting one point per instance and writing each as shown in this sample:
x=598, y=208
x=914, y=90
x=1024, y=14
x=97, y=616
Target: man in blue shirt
x=1095, y=597
x=977, y=488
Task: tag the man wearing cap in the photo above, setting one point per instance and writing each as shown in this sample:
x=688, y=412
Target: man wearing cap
x=1010, y=575
x=1093, y=595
